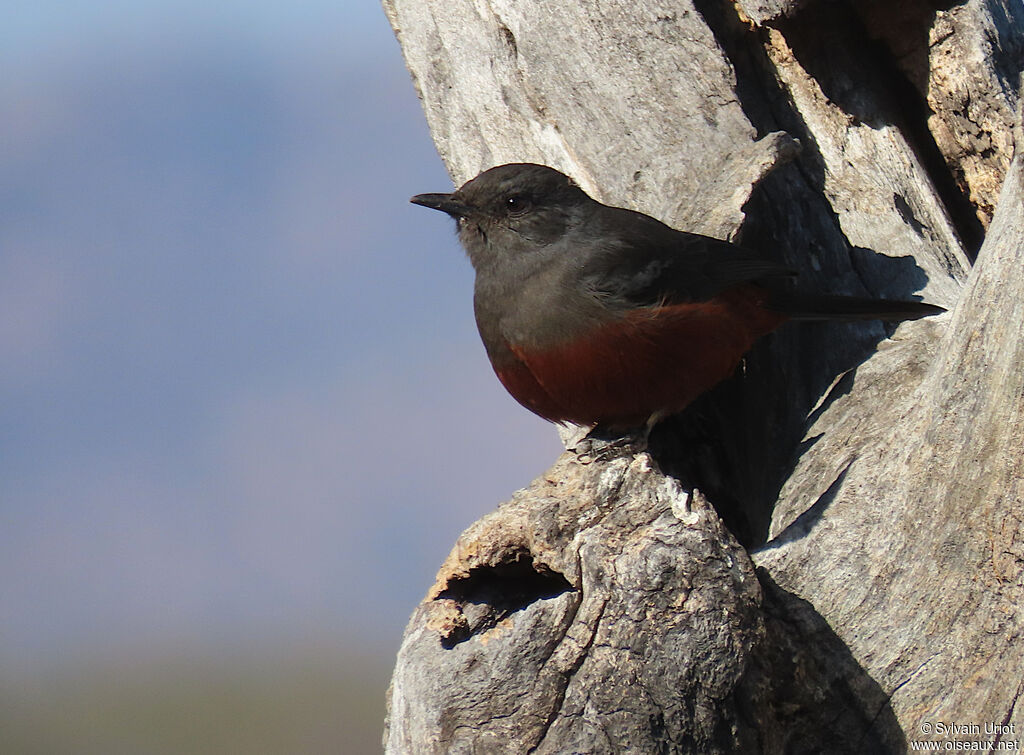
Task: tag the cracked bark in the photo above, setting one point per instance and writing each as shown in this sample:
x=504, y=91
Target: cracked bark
x=874, y=475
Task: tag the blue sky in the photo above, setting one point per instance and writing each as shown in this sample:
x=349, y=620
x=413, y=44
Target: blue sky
x=242, y=397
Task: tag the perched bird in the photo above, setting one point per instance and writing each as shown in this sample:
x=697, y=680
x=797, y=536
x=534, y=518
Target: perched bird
x=594, y=314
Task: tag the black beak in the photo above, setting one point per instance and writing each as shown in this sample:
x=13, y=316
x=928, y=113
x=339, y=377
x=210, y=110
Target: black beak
x=442, y=202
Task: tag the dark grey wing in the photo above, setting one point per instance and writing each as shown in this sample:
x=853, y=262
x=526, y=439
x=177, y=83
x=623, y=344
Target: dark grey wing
x=643, y=262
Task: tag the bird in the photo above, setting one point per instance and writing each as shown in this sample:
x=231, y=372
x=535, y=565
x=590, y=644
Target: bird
x=603, y=316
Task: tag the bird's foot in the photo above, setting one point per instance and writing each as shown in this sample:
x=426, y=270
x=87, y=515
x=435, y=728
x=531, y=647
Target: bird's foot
x=601, y=445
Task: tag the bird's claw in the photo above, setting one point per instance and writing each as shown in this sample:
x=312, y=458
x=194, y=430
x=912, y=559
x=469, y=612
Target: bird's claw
x=591, y=449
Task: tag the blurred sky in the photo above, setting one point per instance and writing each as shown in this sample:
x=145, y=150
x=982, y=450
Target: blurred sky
x=242, y=399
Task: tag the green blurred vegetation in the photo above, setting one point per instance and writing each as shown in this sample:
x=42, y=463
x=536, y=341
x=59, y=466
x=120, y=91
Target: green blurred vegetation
x=298, y=704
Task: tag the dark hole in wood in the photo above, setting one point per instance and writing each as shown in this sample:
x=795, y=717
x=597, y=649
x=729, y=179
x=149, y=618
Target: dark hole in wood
x=489, y=594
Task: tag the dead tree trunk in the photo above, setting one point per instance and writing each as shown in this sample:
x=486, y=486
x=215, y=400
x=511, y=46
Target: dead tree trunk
x=874, y=476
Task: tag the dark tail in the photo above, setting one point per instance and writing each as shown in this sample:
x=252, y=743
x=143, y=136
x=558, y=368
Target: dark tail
x=827, y=307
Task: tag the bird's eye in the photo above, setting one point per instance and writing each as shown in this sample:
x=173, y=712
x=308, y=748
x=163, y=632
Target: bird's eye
x=517, y=204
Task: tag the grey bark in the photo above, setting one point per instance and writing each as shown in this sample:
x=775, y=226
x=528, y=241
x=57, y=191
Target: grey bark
x=875, y=475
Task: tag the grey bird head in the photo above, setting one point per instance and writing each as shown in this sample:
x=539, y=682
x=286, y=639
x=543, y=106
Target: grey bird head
x=511, y=210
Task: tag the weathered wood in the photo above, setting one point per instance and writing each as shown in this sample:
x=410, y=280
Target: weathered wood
x=764, y=11
x=963, y=62
x=604, y=609
x=601, y=609
x=918, y=556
